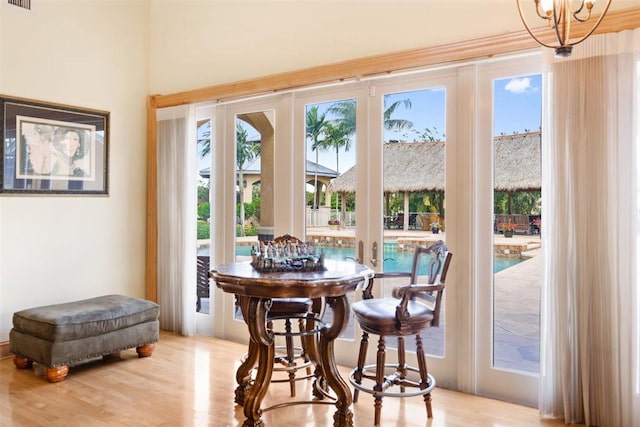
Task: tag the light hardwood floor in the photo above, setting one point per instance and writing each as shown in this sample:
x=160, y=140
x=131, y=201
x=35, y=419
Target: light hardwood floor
x=191, y=382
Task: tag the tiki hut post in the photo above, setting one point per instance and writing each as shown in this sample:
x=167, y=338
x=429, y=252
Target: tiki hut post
x=405, y=218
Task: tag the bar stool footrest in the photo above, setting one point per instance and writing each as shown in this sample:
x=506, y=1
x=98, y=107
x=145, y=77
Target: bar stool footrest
x=369, y=389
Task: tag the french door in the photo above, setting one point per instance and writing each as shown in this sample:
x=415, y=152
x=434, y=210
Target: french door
x=251, y=190
x=366, y=187
x=410, y=125
x=330, y=132
x=508, y=301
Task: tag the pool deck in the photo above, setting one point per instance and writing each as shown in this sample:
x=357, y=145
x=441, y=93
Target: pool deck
x=526, y=242
x=517, y=315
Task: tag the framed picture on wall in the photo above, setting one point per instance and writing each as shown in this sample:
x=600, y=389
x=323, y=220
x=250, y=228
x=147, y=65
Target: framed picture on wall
x=53, y=149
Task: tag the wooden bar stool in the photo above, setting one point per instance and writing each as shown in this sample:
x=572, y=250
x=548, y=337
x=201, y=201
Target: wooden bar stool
x=399, y=316
x=289, y=357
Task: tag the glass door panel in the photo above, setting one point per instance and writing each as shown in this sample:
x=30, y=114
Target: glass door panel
x=414, y=186
x=249, y=176
x=329, y=121
x=517, y=216
x=206, y=147
x=204, y=215
x=254, y=154
x=330, y=214
x=508, y=217
x=412, y=116
x=330, y=209
x=243, y=205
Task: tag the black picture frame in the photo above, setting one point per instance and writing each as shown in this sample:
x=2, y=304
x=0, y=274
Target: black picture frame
x=53, y=149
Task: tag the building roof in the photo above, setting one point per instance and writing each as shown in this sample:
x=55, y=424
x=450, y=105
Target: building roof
x=419, y=166
x=253, y=168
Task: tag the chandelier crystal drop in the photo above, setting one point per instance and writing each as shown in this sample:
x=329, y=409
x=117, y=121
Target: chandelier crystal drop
x=559, y=15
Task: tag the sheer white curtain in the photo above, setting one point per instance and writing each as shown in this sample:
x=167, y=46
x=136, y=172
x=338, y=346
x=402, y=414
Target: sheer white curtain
x=589, y=230
x=177, y=219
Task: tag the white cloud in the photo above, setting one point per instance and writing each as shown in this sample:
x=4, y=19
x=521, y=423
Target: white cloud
x=522, y=85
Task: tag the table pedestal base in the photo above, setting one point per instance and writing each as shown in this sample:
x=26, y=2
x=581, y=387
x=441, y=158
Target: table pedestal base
x=249, y=393
x=254, y=291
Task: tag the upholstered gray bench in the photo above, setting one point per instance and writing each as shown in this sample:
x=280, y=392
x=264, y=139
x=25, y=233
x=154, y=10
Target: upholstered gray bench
x=59, y=335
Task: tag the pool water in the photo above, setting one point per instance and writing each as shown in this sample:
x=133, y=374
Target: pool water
x=393, y=260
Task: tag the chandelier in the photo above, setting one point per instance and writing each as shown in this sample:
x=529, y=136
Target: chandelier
x=559, y=14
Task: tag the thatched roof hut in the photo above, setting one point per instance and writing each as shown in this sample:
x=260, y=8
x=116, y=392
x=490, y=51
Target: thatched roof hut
x=419, y=166
x=410, y=167
x=518, y=162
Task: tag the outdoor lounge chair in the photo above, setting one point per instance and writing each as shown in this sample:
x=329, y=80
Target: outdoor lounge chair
x=412, y=220
x=202, y=280
x=397, y=221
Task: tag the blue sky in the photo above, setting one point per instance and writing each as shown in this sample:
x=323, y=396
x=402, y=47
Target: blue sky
x=518, y=107
x=518, y=104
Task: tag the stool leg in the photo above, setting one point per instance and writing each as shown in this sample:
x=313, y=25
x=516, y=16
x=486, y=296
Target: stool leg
x=305, y=355
x=424, y=377
x=402, y=362
x=380, y=359
x=276, y=359
x=359, y=371
x=290, y=356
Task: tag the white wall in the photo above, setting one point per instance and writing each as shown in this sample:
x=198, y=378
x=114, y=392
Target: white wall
x=231, y=41
x=90, y=54
x=195, y=44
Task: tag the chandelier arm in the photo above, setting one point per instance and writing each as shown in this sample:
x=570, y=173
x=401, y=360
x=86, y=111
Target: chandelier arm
x=538, y=9
x=574, y=13
x=577, y=12
x=582, y=20
x=604, y=12
x=526, y=27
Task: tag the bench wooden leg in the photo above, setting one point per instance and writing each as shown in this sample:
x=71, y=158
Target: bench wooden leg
x=56, y=374
x=22, y=362
x=145, y=350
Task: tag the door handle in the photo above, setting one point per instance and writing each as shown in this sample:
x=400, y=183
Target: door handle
x=360, y=252
x=374, y=251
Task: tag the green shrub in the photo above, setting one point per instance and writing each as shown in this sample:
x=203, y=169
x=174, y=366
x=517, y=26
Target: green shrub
x=203, y=230
x=204, y=210
x=248, y=230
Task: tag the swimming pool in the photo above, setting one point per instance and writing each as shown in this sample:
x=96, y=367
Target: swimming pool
x=393, y=260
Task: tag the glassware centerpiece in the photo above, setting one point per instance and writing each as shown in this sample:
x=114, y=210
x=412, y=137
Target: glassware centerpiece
x=283, y=255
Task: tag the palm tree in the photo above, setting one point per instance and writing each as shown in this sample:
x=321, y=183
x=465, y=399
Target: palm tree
x=338, y=137
x=315, y=128
x=396, y=124
x=204, y=137
x=346, y=110
x=245, y=152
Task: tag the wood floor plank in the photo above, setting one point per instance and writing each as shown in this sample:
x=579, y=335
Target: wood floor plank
x=190, y=381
